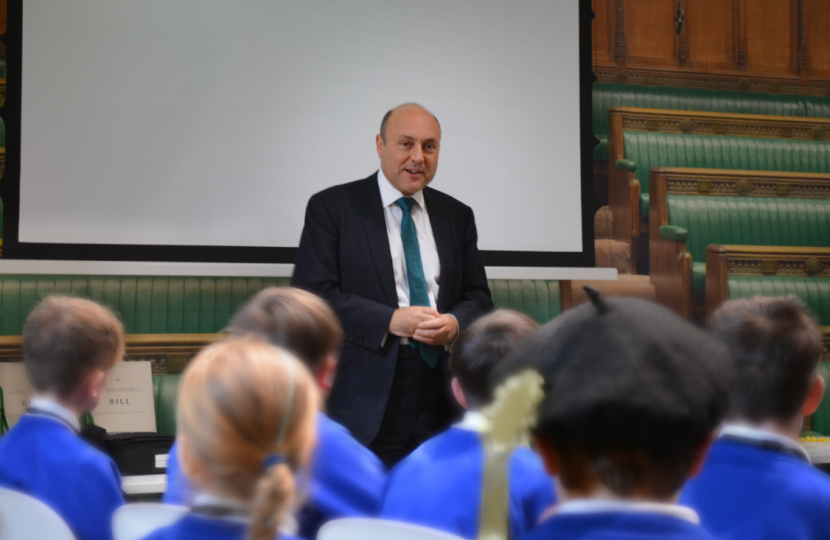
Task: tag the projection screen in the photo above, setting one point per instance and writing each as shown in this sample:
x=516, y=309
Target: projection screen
x=198, y=129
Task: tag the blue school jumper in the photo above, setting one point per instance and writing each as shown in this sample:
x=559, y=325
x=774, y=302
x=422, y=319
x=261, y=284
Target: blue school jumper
x=200, y=527
x=439, y=485
x=752, y=489
x=617, y=524
x=346, y=479
x=43, y=457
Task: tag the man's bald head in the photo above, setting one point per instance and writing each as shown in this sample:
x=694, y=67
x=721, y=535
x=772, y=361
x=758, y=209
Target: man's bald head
x=389, y=114
x=408, y=145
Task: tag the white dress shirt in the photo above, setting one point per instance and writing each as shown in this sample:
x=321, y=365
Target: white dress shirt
x=426, y=242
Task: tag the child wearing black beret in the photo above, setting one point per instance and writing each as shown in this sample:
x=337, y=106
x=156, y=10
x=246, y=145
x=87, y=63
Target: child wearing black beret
x=632, y=397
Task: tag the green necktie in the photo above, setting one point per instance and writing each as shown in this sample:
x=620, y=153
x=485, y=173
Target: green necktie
x=418, y=295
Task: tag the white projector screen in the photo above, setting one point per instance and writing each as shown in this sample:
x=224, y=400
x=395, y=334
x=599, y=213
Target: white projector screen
x=211, y=122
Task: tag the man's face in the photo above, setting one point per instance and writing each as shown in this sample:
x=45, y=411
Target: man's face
x=409, y=157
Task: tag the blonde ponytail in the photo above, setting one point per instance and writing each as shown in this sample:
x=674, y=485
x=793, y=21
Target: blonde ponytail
x=248, y=411
x=273, y=495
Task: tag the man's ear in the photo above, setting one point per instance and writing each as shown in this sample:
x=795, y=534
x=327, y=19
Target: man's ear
x=379, y=142
x=324, y=376
x=549, y=455
x=700, y=455
x=458, y=392
x=814, y=396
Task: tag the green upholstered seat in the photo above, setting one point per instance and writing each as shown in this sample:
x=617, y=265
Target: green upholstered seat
x=649, y=149
x=821, y=418
x=166, y=393
x=813, y=291
x=145, y=304
x=538, y=299
x=751, y=221
x=606, y=96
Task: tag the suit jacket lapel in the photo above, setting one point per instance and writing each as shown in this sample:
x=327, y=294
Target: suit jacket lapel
x=374, y=225
x=443, y=241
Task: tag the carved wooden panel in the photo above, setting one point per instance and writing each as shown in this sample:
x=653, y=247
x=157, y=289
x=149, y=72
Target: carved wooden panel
x=780, y=46
x=711, y=28
x=818, y=36
x=657, y=45
x=603, y=32
x=770, y=32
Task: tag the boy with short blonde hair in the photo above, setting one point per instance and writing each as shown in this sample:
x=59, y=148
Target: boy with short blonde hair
x=69, y=347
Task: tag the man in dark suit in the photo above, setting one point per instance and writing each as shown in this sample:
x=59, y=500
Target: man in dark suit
x=398, y=262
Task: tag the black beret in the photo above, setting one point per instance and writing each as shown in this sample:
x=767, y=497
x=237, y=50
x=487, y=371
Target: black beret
x=625, y=373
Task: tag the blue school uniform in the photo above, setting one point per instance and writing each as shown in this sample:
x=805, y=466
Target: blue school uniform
x=43, y=457
x=761, y=486
x=439, y=484
x=210, y=519
x=619, y=520
x=346, y=479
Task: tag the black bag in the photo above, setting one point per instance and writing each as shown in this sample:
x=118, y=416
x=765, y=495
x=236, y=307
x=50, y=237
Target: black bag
x=134, y=453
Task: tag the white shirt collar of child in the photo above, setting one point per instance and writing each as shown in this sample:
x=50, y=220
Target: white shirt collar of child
x=54, y=409
x=593, y=506
x=737, y=429
x=474, y=421
x=388, y=194
x=209, y=499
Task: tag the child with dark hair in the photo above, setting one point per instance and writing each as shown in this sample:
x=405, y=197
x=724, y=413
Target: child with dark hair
x=69, y=347
x=346, y=478
x=632, y=396
x=757, y=481
x=439, y=485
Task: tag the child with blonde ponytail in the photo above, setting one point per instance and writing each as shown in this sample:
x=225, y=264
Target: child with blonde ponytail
x=246, y=423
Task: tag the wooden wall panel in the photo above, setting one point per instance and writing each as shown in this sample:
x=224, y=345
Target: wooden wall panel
x=711, y=30
x=649, y=32
x=770, y=36
x=603, y=32
x=818, y=36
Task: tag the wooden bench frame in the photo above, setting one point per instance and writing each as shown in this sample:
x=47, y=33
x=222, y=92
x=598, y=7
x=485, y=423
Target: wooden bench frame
x=671, y=264
x=168, y=353
x=623, y=186
x=723, y=261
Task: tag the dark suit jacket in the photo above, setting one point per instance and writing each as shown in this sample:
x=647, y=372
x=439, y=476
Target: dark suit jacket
x=344, y=257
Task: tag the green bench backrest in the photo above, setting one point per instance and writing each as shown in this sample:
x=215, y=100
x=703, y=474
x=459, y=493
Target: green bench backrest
x=606, y=96
x=813, y=291
x=538, y=299
x=649, y=149
x=165, y=394
x=752, y=221
x=145, y=304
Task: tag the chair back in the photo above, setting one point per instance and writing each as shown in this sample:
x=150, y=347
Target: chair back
x=378, y=529
x=23, y=518
x=137, y=520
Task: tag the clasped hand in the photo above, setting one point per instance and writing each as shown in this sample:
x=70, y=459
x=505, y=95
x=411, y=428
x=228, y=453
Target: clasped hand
x=424, y=324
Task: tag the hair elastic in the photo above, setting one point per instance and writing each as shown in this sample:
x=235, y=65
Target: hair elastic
x=273, y=460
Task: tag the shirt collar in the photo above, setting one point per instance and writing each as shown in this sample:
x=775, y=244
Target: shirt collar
x=55, y=411
x=592, y=506
x=745, y=431
x=388, y=193
x=474, y=421
x=202, y=499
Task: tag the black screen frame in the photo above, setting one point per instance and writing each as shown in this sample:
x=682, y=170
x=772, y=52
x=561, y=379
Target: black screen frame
x=10, y=187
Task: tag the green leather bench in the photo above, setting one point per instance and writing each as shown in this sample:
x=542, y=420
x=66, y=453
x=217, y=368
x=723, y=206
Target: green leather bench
x=145, y=304
x=642, y=139
x=539, y=299
x=693, y=208
x=609, y=95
